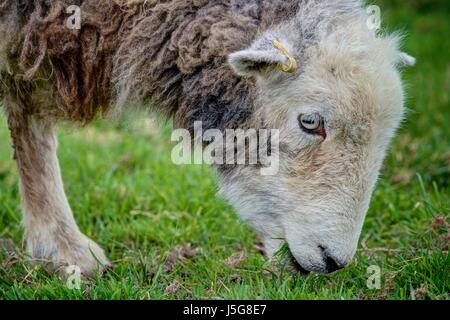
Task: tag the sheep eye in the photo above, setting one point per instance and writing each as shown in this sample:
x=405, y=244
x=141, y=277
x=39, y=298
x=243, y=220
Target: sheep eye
x=312, y=124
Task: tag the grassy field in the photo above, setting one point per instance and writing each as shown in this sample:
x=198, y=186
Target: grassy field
x=170, y=237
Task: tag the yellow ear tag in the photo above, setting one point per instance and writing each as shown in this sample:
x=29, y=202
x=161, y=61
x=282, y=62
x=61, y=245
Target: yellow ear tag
x=292, y=67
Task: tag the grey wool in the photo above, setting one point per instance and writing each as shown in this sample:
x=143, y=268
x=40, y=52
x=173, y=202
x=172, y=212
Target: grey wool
x=168, y=55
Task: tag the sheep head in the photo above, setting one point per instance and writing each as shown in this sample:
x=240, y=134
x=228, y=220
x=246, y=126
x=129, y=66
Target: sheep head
x=336, y=114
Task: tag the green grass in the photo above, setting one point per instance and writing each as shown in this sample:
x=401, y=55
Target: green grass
x=128, y=196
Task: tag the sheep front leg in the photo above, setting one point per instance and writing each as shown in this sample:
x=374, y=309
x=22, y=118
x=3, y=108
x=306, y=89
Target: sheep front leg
x=51, y=233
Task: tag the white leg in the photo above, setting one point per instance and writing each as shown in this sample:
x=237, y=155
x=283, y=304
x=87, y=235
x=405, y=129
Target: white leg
x=51, y=233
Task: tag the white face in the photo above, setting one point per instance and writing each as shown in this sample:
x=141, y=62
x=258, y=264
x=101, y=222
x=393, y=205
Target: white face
x=335, y=122
x=318, y=200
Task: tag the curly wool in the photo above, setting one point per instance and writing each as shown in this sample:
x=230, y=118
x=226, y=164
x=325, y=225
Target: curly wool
x=78, y=62
x=170, y=54
x=176, y=58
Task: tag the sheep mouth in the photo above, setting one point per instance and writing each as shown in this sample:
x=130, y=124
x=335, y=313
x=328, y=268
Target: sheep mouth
x=287, y=260
x=294, y=265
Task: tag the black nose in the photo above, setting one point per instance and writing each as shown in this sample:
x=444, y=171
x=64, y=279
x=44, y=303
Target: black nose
x=331, y=263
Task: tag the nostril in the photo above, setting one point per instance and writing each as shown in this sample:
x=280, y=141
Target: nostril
x=331, y=263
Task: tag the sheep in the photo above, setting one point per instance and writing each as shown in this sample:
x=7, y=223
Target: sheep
x=311, y=69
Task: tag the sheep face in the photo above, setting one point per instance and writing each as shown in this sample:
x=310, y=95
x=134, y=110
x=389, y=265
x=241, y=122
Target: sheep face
x=336, y=116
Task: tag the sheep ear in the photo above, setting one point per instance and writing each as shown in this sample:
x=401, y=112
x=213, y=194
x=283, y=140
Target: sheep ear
x=404, y=60
x=262, y=56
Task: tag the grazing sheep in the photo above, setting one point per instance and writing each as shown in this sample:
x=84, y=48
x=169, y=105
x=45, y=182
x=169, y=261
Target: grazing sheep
x=312, y=69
